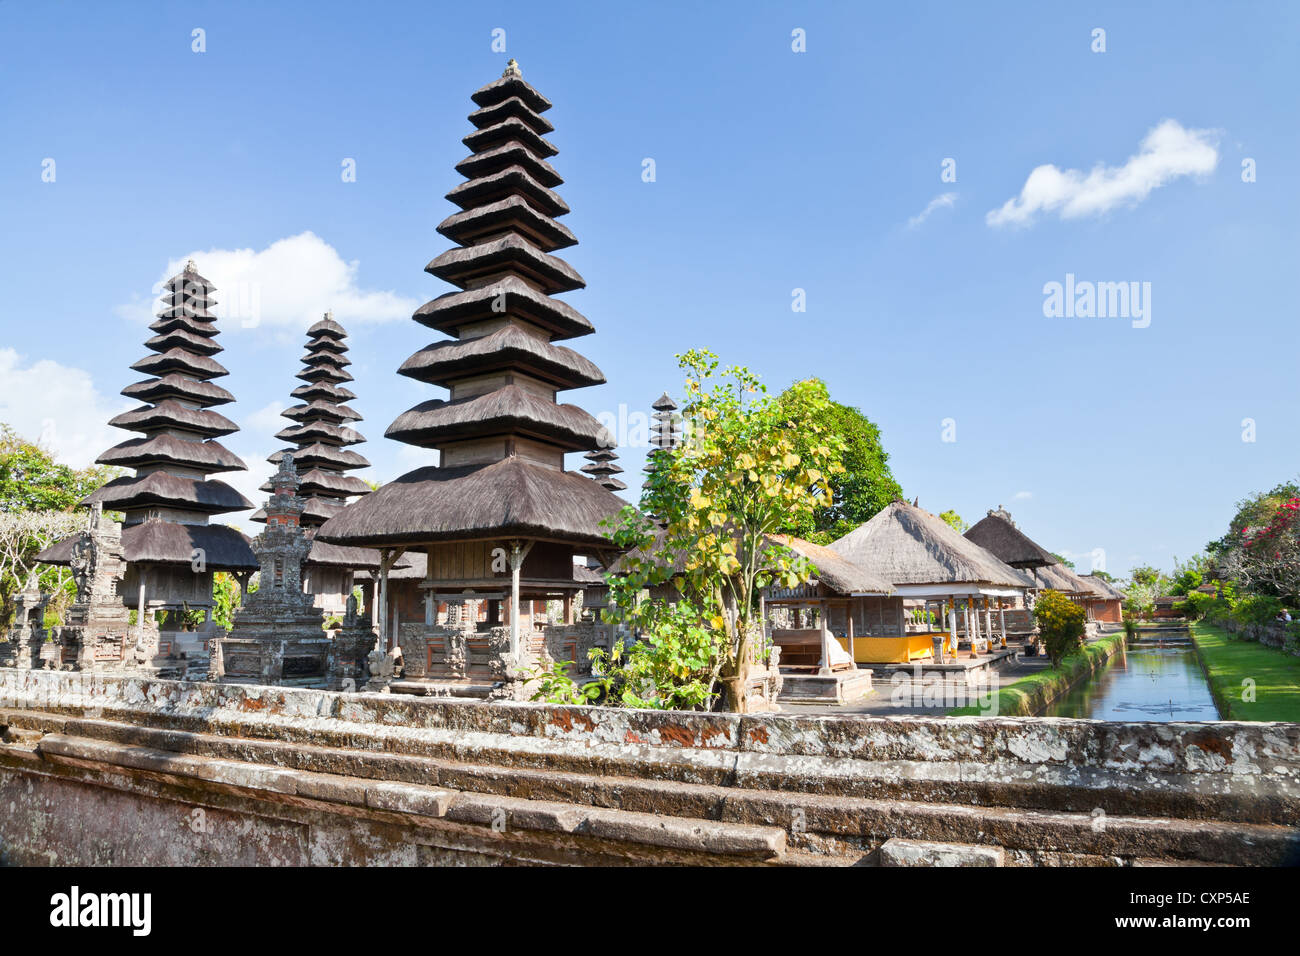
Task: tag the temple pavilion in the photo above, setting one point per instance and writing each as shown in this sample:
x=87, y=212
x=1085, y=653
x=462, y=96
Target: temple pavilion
x=499, y=519
x=170, y=547
x=998, y=533
x=322, y=436
x=949, y=579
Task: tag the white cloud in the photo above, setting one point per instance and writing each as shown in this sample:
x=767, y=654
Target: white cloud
x=59, y=408
x=1022, y=496
x=1168, y=152
x=291, y=283
x=265, y=422
x=941, y=201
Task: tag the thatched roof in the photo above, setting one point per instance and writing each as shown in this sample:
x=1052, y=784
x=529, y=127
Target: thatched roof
x=169, y=413
x=132, y=492
x=178, y=386
x=511, y=154
x=507, y=347
x=997, y=533
x=449, y=311
x=837, y=572
x=507, y=498
x=507, y=410
x=338, y=556
x=208, y=456
x=513, y=213
x=167, y=542
x=1102, y=588
x=1058, y=577
x=906, y=545
x=833, y=570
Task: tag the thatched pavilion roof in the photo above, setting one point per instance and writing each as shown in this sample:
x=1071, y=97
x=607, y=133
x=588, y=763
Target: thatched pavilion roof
x=158, y=542
x=996, y=532
x=1102, y=588
x=1058, y=577
x=508, y=498
x=905, y=545
x=839, y=574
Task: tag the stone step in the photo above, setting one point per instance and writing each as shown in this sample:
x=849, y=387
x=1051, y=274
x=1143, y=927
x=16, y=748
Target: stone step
x=476, y=690
x=684, y=839
x=843, y=828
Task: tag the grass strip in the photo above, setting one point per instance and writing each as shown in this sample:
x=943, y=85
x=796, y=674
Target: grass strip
x=1031, y=695
x=1239, y=669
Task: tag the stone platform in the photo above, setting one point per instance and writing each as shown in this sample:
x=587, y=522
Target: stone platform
x=964, y=668
x=842, y=687
x=98, y=770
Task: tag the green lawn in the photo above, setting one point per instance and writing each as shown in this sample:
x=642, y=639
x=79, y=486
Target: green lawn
x=1230, y=662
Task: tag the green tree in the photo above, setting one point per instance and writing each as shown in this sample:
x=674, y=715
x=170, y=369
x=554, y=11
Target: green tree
x=1147, y=576
x=1063, y=560
x=865, y=486
x=31, y=480
x=738, y=479
x=37, y=497
x=954, y=521
x=225, y=597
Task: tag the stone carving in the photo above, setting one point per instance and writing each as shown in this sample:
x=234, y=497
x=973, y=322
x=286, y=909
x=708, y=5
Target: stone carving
x=95, y=627
x=278, y=635
x=28, y=631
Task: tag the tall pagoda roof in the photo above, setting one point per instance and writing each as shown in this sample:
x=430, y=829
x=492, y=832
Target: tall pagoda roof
x=168, y=501
x=502, y=366
x=320, y=439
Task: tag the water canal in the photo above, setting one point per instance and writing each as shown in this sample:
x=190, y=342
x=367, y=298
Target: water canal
x=1156, y=680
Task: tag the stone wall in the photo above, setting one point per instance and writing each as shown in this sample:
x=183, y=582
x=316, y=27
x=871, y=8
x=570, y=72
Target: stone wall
x=112, y=769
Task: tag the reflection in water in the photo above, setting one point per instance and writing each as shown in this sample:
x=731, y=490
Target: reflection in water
x=1149, y=683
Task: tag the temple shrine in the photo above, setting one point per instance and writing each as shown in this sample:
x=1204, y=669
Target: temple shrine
x=168, y=546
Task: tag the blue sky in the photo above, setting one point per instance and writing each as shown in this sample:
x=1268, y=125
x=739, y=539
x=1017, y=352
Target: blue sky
x=775, y=170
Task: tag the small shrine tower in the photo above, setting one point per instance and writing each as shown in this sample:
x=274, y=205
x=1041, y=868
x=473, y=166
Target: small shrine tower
x=277, y=636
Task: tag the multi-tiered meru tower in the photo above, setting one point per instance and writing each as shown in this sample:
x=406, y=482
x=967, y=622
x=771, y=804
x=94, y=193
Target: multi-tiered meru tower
x=170, y=546
x=322, y=436
x=499, y=516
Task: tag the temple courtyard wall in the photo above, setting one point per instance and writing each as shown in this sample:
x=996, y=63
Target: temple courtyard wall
x=107, y=770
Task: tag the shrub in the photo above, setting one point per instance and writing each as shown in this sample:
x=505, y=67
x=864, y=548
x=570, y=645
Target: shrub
x=1257, y=610
x=1197, y=605
x=1061, y=623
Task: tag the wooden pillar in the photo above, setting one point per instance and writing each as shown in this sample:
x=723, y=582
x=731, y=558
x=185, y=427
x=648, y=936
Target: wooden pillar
x=140, y=602
x=430, y=606
x=952, y=624
x=381, y=598
x=1002, y=622
x=518, y=551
